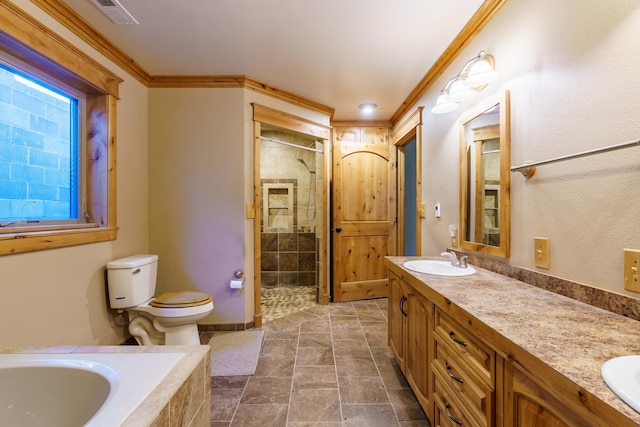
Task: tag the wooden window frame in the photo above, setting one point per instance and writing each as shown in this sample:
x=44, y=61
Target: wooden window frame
x=31, y=42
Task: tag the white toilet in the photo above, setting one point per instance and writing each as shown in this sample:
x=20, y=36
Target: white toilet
x=168, y=319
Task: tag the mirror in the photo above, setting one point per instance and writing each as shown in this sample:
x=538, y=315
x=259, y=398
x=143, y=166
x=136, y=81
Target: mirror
x=484, y=178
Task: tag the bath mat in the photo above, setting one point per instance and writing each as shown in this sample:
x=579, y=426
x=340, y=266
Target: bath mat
x=235, y=353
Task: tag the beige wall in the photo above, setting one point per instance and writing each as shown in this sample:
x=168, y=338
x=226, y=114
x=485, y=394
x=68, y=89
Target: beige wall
x=58, y=297
x=571, y=68
x=196, y=193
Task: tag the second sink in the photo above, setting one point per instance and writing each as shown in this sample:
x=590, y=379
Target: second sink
x=622, y=375
x=438, y=268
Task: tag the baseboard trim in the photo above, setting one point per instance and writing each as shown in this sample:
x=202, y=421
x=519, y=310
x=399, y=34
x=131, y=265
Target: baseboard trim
x=227, y=327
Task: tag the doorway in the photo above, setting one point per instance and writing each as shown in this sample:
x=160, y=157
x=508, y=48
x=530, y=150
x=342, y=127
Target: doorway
x=407, y=138
x=409, y=198
x=290, y=229
x=291, y=222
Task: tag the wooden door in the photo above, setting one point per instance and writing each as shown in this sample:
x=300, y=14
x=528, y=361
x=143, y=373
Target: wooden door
x=363, y=214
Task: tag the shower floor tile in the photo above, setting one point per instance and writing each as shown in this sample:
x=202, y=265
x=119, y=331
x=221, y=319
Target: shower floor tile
x=282, y=301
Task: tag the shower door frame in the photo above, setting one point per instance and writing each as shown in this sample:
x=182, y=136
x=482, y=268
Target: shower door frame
x=321, y=133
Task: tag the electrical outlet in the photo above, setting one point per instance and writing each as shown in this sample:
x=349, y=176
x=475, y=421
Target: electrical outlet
x=632, y=270
x=541, y=249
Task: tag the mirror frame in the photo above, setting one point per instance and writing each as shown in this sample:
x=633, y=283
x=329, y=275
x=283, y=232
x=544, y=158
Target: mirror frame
x=505, y=181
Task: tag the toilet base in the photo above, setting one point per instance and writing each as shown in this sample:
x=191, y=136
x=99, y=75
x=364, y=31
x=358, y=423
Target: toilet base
x=149, y=331
x=182, y=335
x=141, y=328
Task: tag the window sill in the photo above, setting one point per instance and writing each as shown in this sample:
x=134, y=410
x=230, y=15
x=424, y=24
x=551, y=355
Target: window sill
x=21, y=240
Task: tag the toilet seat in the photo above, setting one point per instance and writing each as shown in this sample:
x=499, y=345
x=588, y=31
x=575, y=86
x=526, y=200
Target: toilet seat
x=177, y=304
x=180, y=299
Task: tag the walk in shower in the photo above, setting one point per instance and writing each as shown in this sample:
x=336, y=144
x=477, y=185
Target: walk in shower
x=291, y=180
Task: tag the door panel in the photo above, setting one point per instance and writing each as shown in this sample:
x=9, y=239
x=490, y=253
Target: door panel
x=361, y=220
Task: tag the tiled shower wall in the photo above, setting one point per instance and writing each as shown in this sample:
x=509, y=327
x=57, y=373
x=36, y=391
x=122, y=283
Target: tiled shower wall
x=288, y=259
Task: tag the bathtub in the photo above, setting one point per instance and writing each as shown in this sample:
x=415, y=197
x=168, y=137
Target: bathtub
x=77, y=389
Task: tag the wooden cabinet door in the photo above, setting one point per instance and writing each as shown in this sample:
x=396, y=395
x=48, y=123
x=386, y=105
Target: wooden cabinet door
x=397, y=320
x=529, y=404
x=362, y=219
x=419, y=347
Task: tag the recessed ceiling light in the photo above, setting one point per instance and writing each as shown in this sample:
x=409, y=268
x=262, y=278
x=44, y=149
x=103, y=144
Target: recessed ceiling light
x=368, y=108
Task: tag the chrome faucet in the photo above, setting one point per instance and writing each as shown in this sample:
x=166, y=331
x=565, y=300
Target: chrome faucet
x=462, y=262
x=451, y=256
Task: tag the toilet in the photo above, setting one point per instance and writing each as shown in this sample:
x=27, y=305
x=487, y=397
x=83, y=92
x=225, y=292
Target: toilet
x=170, y=318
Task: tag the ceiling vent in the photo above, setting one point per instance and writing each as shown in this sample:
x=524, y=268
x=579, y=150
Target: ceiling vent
x=116, y=12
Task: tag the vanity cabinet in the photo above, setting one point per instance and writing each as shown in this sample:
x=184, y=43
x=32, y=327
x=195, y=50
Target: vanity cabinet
x=410, y=335
x=465, y=374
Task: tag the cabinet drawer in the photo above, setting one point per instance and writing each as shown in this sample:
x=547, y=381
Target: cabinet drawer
x=448, y=411
x=478, y=356
x=476, y=396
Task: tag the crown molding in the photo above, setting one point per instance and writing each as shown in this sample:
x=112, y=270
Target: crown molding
x=361, y=123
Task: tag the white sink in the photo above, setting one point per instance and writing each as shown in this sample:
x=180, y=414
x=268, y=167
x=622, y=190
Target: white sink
x=622, y=375
x=438, y=268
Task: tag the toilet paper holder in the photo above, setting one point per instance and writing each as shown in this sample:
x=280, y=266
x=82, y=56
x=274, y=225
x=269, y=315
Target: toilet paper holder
x=238, y=281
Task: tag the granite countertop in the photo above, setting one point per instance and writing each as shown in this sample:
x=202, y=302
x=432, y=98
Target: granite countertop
x=571, y=337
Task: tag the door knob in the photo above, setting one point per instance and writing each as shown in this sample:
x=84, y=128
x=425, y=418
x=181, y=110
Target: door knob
x=338, y=229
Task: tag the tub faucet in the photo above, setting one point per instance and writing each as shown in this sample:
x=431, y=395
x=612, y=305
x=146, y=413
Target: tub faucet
x=451, y=256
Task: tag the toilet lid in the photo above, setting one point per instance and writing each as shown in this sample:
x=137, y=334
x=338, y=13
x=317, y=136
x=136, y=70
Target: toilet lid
x=181, y=299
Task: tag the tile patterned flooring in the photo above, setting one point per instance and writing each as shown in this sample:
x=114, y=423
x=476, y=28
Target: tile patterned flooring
x=325, y=366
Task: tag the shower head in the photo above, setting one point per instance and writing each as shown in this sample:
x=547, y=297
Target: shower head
x=301, y=160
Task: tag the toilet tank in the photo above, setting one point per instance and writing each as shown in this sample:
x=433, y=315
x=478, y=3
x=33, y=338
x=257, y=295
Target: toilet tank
x=131, y=280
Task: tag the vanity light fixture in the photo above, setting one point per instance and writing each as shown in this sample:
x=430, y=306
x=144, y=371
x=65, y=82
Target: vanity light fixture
x=476, y=74
x=459, y=91
x=443, y=105
x=367, y=108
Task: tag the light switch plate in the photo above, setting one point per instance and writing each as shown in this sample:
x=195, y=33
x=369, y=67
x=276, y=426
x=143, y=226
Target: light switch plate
x=251, y=211
x=422, y=211
x=632, y=270
x=541, y=252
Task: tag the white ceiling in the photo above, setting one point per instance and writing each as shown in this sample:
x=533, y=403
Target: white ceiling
x=340, y=53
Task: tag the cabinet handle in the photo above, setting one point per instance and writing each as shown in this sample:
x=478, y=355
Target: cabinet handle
x=455, y=340
x=402, y=301
x=451, y=417
x=453, y=377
